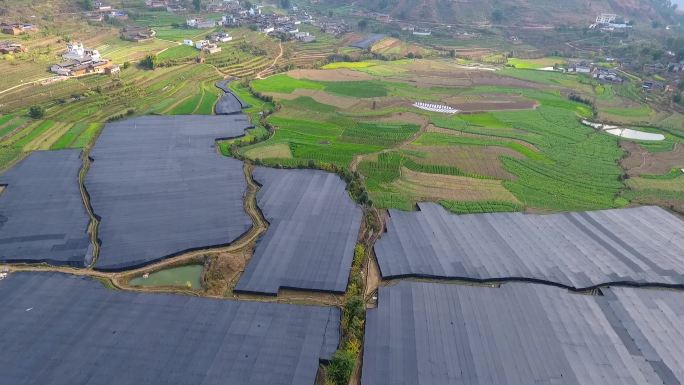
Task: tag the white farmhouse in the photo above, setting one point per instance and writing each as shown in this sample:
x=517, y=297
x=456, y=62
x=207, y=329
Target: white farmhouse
x=76, y=51
x=606, y=18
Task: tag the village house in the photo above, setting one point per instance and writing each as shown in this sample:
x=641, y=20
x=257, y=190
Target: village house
x=118, y=15
x=305, y=37
x=579, y=67
x=175, y=8
x=607, y=76
x=9, y=47
x=422, y=32
x=207, y=46
x=653, y=68
x=156, y=4
x=137, y=34
x=676, y=67
x=76, y=50
x=211, y=48
x=200, y=23
x=606, y=18
x=220, y=37
x=94, y=17
x=101, y=7
x=650, y=86
x=17, y=29
x=79, y=61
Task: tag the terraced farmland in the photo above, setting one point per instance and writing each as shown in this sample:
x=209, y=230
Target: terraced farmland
x=541, y=157
x=77, y=108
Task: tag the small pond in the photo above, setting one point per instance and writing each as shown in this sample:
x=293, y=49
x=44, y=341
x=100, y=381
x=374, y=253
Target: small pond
x=183, y=276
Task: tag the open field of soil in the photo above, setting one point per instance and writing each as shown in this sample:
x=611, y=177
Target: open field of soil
x=432, y=187
x=641, y=161
x=471, y=159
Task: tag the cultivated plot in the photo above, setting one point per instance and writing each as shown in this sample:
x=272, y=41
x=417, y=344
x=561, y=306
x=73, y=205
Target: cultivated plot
x=439, y=334
x=101, y=336
x=42, y=215
x=580, y=250
x=313, y=227
x=160, y=188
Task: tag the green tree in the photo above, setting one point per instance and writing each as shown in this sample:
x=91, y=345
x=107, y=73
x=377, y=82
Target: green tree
x=341, y=367
x=197, y=4
x=677, y=98
x=150, y=62
x=87, y=5
x=285, y=4
x=363, y=24
x=36, y=112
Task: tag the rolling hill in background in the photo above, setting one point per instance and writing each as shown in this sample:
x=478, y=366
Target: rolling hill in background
x=531, y=12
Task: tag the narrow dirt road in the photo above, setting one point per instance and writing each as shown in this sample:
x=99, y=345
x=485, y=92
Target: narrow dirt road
x=275, y=61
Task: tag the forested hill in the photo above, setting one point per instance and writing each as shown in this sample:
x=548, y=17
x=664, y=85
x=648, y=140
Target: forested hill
x=538, y=12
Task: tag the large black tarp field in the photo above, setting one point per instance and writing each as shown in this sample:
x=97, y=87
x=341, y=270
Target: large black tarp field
x=161, y=188
x=313, y=227
x=521, y=334
x=579, y=250
x=42, y=215
x=66, y=330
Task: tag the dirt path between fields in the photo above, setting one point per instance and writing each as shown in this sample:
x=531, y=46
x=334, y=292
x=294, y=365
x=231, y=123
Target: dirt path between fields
x=275, y=61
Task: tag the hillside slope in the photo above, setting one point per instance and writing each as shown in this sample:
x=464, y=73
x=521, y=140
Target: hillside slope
x=541, y=12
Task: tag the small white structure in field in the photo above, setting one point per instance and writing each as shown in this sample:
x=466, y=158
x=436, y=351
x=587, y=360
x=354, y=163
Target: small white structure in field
x=625, y=132
x=188, y=42
x=201, y=44
x=441, y=108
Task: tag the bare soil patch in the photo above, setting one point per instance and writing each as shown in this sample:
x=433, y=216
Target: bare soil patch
x=639, y=161
x=481, y=160
x=404, y=117
x=490, y=103
x=434, y=187
x=222, y=270
x=488, y=78
x=334, y=75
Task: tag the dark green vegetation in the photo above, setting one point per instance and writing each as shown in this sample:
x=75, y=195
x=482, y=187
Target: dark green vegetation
x=353, y=317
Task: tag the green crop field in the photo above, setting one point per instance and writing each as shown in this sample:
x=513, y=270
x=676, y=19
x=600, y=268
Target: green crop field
x=77, y=108
x=555, y=163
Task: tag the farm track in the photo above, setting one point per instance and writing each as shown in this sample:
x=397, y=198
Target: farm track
x=275, y=61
